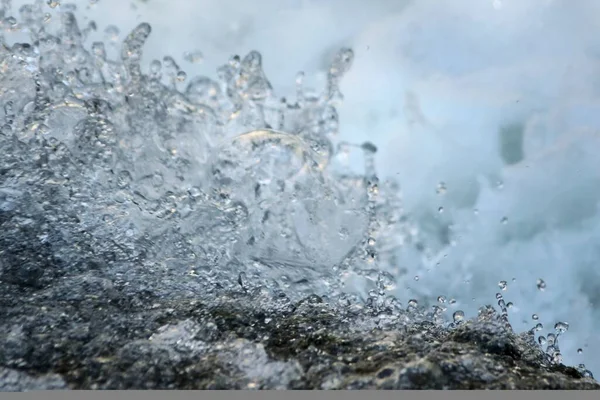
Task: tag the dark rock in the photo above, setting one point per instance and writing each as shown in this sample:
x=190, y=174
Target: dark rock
x=107, y=342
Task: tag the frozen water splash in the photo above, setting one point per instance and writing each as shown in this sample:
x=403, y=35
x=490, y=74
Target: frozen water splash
x=218, y=181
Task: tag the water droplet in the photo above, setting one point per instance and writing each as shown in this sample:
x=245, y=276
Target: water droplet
x=504, y=220
x=194, y=57
x=112, y=33
x=441, y=299
x=123, y=179
x=412, y=303
x=181, y=76
x=557, y=357
x=441, y=210
x=441, y=188
x=416, y=277
x=579, y=351
x=539, y=327
x=509, y=305
x=541, y=285
x=458, y=316
x=53, y=3
x=542, y=341
x=502, y=285
x=535, y=317
x=561, y=327
x=452, y=301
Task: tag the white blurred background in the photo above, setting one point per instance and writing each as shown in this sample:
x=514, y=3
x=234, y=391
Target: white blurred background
x=498, y=99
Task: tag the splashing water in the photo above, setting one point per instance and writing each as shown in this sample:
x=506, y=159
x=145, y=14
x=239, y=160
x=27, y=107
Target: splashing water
x=217, y=179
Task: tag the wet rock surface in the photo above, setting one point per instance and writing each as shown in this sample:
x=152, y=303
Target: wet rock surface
x=97, y=333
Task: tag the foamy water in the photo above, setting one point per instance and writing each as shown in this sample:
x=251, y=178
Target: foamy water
x=484, y=113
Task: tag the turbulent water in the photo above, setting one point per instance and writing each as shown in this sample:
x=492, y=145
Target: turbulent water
x=222, y=180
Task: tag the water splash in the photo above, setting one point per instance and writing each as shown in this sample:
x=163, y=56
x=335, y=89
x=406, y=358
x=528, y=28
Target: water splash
x=216, y=179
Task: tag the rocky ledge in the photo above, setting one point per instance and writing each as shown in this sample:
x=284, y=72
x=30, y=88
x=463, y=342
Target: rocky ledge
x=89, y=332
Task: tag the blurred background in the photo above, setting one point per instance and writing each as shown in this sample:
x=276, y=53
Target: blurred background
x=496, y=101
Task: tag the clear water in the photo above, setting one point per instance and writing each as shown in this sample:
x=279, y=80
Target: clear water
x=222, y=179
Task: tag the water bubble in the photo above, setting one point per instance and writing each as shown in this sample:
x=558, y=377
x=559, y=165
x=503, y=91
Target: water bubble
x=502, y=285
x=535, y=317
x=541, y=285
x=458, y=316
x=440, y=210
x=452, y=302
x=416, y=278
x=579, y=351
x=441, y=299
x=509, y=305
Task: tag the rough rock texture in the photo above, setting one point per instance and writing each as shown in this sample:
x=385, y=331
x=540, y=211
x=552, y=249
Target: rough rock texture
x=95, y=333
